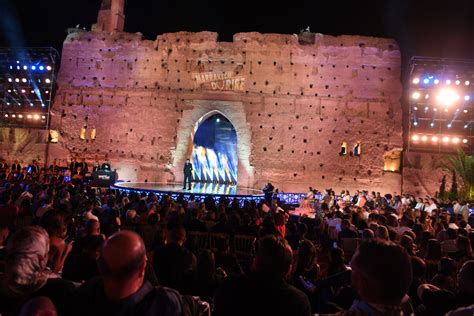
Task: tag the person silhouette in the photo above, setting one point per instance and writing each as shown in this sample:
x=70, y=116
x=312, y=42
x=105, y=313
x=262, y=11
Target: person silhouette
x=188, y=169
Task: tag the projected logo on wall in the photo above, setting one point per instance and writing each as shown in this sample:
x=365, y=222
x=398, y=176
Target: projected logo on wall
x=214, y=156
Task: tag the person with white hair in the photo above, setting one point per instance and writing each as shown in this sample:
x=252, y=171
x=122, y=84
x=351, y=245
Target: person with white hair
x=26, y=273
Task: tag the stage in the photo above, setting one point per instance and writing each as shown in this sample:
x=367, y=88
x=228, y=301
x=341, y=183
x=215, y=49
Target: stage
x=198, y=189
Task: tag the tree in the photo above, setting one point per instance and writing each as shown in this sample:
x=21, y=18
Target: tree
x=453, y=193
x=463, y=165
x=442, y=188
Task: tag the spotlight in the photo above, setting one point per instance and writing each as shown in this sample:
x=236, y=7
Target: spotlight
x=431, y=124
x=43, y=117
x=464, y=141
x=29, y=116
x=33, y=67
x=415, y=123
x=20, y=116
x=41, y=67
x=415, y=108
x=36, y=117
x=458, y=82
x=455, y=140
x=9, y=91
x=466, y=125
x=32, y=91
x=447, y=97
x=25, y=67
x=434, y=139
x=416, y=80
x=17, y=80
x=465, y=111
x=467, y=98
x=427, y=108
x=446, y=110
x=427, y=96
x=23, y=90
x=426, y=81
x=466, y=82
x=8, y=103
x=13, y=115
x=46, y=92
x=6, y=115
x=47, y=80
x=48, y=68
x=415, y=95
x=424, y=138
x=17, y=67
x=415, y=138
x=450, y=125
x=436, y=81
x=10, y=80
x=23, y=80
x=445, y=139
x=218, y=120
x=448, y=82
x=31, y=104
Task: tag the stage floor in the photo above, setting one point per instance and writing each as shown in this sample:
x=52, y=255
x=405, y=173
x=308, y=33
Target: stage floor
x=197, y=188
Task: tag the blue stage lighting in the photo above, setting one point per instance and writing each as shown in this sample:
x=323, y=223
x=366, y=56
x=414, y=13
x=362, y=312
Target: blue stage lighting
x=218, y=120
x=33, y=67
x=426, y=81
x=467, y=98
x=41, y=68
x=17, y=67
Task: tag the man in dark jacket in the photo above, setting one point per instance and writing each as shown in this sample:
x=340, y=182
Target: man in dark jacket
x=188, y=170
x=122, y=289
x=264, y=291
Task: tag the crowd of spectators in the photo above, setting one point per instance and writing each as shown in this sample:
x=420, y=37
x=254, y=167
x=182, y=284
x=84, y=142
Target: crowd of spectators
x=69, y=249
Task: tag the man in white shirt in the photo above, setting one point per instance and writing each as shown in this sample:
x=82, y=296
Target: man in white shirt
x=420, y=205
x=431, y=207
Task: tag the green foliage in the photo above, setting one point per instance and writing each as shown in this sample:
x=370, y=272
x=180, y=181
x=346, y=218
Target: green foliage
x=442, y=188
x=462, y=165
x=453, y=193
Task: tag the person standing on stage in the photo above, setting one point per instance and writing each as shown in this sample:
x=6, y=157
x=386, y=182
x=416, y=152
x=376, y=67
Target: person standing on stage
x=188, y=169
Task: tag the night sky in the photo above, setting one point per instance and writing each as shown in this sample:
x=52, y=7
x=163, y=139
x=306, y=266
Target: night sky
x=422, y=27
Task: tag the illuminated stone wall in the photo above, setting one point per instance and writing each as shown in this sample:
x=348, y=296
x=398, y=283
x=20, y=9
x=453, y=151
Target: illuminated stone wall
x=292, y=101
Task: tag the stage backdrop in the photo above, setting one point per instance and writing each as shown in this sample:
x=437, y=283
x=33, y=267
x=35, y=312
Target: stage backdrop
x=214, y=155
x=293, y=100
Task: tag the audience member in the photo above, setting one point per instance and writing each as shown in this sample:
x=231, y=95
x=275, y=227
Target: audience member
x=244, y=295
x=121, y=288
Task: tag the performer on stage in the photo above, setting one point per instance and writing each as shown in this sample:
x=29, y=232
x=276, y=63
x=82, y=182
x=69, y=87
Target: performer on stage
x=188, y=169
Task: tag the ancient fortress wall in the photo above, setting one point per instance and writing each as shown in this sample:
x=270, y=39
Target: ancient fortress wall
x=292, y=101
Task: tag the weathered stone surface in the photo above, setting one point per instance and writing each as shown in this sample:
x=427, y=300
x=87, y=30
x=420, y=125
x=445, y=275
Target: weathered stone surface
x=292, y=105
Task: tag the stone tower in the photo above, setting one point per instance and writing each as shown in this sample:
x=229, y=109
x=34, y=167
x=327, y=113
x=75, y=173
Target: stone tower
x=111, y=16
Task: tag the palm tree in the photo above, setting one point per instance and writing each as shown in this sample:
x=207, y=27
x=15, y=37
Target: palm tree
x=463, y=165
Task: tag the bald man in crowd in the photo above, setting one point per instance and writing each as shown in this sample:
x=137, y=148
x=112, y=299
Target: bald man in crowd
x=121, y=288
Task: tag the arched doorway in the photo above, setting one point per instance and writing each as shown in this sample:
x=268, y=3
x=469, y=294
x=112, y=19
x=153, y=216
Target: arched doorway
x=214, y=152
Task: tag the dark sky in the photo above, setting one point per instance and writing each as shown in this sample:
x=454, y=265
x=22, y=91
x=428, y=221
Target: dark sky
x=443, y=28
